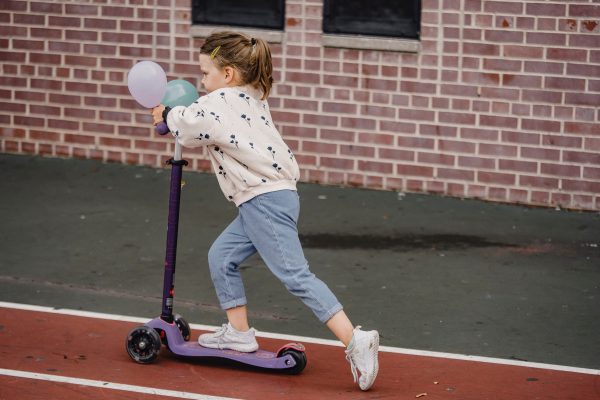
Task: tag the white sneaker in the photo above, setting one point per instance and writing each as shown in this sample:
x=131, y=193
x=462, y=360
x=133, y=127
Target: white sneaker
x=229, y=338
x=362, y=356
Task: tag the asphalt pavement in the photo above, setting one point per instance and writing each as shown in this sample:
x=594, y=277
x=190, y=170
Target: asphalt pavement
x=429, y=272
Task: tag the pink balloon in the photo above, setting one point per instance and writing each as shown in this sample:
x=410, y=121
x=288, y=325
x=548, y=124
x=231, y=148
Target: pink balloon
x=147, y=83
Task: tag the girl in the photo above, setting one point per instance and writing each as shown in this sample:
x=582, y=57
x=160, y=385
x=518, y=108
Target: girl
x=258, y=172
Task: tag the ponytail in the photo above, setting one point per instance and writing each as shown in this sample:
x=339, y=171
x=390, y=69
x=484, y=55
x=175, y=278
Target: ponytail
x=250, y=56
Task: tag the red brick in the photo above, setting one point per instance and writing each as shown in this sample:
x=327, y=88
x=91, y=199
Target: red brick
x=373, y=166
x=396, y=154
x=319, y=147
x=540, y=153
x=378, y=84
x=581, y=186
x=336, y=80
x=88, y=35
x=573, y=171
x=320, y=120
x=415, y=115
x=339, y=135
x=584, y=11
x=337, y=163
x=534, y=52
x=29, y=19
x=495, y=177
x=414, y=170
x=66, y=22
x=456, y=146
x=339, y=108
x=544, y=67
x=503, y=36
x=476, y=162
x=456, y=174
x=522, y=81
x=585, y=99
x=554, y=10
x=296, y=131
x=81, y=9
x=566, y=54
x=541, y=125
x=503, y=7
x=79, y=139
x=520, y=137
x=546, y=38
x=495, y=120
x=590, y=41
x=581, y=157
x=499, y=194
x=435, y=158
x=358, y=123
x=481, y=49
x=376, y=138
x=48, y=8
x=542, y=96
x=519, y=166
x=376, y=111
x=358, y=151
x=562, y=141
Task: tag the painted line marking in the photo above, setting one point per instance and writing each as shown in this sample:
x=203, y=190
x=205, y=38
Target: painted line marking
x=108, y=385
x=306, y=339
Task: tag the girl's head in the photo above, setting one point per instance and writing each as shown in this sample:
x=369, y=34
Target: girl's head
x=231, y=58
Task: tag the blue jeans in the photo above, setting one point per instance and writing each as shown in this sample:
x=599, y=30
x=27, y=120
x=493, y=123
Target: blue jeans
x=268, y=224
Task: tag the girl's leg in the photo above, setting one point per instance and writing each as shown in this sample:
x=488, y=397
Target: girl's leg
x=226, y=254
x=238, y=318
x=270, y=222
x=341, y=327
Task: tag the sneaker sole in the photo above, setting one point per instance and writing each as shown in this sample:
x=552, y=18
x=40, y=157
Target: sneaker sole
x=376, y=366
x=240, y=348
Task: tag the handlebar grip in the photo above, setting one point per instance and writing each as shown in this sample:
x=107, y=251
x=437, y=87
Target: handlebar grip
x=162, y=128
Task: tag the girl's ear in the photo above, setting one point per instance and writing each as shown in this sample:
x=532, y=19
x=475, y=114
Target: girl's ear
x=230, y=75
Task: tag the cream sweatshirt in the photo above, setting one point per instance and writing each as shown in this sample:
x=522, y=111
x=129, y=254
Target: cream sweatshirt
x=246, y=150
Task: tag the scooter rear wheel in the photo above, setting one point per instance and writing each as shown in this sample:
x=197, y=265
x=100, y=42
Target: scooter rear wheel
x=299, y=357
x=143, y=344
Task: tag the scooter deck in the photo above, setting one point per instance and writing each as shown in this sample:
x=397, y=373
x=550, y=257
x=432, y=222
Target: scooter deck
x=259, y=358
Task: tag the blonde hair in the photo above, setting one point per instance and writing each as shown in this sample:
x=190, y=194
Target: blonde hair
x=250, y=56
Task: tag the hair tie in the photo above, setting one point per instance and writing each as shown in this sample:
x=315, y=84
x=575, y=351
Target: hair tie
x=253, y=42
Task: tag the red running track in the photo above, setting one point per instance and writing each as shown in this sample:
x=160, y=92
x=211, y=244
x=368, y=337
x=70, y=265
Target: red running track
x=93, y=349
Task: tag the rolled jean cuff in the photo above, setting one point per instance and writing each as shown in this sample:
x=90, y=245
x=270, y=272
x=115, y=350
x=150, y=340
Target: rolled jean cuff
x=330, y=313
x=234, y=303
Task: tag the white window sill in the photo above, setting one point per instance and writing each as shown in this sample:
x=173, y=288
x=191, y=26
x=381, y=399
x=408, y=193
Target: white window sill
x=371, y=43
x=271, y=36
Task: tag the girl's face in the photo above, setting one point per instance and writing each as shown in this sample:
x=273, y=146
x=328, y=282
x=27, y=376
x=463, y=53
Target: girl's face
x=213, y=77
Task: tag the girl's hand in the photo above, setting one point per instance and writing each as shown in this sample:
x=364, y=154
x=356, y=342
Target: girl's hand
x=157, y=113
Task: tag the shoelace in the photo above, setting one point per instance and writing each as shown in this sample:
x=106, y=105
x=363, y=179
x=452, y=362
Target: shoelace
x=352, y=367
x=351, y=361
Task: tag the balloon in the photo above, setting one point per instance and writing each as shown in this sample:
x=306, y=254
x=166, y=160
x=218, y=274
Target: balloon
x=180, y=93
x=147, y=83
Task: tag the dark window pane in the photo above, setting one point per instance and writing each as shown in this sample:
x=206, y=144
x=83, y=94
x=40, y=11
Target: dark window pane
x=373, y=17
x=267, y=14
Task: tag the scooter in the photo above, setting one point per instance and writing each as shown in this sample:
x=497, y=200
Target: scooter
x=144, y=342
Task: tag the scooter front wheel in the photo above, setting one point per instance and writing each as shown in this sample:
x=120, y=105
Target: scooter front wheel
x=184, y=327
x=143, y=344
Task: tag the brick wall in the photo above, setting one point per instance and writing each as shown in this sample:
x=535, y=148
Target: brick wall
x=501, y=103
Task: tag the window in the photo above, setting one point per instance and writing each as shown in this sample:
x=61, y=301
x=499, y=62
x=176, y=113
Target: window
x=262, y=14
x=387, y=18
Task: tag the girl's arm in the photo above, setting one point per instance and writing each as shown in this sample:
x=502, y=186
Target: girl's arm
x=194, y=126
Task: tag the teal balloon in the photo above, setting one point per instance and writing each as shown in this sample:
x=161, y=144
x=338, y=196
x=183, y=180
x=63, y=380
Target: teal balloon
x=180, y=93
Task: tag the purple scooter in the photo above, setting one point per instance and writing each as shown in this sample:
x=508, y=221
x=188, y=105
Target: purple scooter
x=144, y=342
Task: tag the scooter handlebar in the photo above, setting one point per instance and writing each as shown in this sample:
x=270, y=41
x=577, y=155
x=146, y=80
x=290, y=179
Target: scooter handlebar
x=162, y=128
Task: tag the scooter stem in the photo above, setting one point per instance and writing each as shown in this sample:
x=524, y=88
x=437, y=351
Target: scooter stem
x=172, y=232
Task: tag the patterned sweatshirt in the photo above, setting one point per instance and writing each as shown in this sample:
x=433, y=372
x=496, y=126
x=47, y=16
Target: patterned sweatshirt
x=246, y=150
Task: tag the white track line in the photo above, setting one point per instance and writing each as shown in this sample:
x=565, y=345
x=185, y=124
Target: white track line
x=293, y=338
x=109, y=385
